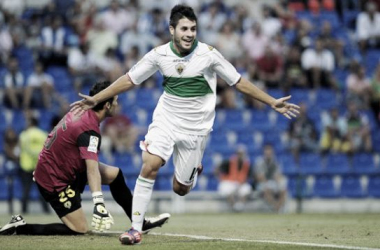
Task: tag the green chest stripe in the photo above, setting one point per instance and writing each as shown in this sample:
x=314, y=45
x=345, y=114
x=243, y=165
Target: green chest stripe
x=186, y=87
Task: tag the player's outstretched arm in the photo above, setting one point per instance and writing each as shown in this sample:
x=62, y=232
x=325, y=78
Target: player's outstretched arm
x=122, y=84
x=281, y=105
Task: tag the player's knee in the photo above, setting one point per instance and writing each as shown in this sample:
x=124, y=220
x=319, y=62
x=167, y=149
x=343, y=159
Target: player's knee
x=181, y=191
x=79, y=228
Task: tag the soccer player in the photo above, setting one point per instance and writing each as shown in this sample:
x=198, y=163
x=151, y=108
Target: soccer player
x=67, y=162
x=185, y=112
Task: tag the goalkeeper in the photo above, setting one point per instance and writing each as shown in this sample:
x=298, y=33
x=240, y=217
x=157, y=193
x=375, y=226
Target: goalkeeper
x=67, y=163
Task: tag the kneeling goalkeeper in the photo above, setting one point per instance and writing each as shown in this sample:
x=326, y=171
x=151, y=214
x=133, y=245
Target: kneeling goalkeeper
x=67, y=163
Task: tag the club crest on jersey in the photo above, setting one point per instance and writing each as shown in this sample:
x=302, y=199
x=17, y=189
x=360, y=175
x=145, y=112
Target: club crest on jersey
x=180, y=67
x=93, y=145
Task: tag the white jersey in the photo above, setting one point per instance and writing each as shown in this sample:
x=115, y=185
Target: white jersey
x=188, y=102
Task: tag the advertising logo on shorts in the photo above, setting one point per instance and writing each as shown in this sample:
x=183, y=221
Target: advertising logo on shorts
x=93, y=146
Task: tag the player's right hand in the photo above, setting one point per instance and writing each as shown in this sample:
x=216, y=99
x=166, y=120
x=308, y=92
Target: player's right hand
x=79, y=107
x=101, y=219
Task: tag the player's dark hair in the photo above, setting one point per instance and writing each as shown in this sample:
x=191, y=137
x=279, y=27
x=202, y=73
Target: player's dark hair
x=96, y=88
x=180, y=11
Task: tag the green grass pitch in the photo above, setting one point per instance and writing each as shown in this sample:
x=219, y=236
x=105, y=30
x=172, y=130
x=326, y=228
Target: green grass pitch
x=222, y=231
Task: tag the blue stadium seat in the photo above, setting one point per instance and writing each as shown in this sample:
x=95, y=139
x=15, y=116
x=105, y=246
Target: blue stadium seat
x=146, y=98
x=297, y=187
x=212, y=183
x=374, y=186
x=247, y=138
x=337, y=164
x=288, y=164
x=376, y=140
x=273, y=137
x=310, y=163
x=300, y=96
x=324, y=187
x=260, y=121
x=326, y=99
x=18, y=121
x=125, y=162
x=235, y=120
x=330, y=17
x=363, y=163
x=351, y=187
x=3, y=188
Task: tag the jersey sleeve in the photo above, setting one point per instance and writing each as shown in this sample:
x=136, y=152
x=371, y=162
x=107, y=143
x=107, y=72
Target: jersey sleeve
x=143, y=69
x=89, y=144
x=224, y=68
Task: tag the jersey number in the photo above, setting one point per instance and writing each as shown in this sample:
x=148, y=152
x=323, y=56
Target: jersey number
x=64, y=195
x=50, y=141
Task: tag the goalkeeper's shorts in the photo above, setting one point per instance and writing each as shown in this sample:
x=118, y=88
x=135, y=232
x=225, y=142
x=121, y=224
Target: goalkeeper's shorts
x=67, y=200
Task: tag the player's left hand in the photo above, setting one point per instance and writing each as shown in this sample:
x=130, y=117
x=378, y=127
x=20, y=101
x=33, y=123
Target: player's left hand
x=101, y=219
x=289, y=110
x=79, y=107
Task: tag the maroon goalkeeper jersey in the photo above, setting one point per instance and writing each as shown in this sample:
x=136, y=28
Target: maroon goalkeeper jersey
x=71, y=142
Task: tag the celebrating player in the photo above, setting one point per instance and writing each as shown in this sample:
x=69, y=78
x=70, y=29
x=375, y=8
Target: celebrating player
x=185, y=111
x=68, y=161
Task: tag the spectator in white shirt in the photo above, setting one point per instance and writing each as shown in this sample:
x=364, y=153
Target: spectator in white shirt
x=39, y=84
x=117, y=19
x=210, y=22
x=255, y=42
x=368, y=27
x=83, y=66
x=318, y=63
x=271, y=25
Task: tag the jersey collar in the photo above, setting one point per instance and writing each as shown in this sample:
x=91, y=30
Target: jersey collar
x=195, y=43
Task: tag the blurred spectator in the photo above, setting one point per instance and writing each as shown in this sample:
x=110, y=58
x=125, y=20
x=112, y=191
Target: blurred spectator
x=154, y=22
x=116, y=18
x=83, y=66
x=14, y=7
x=334, y=44
x=255, y=41
x=294, y=76
x=33, y=33
x=119, y=133
x=11, y=163
x=270, y=68
x=368, y=27
x=14, y=86
x=303, y=136
x=210, y=23
x=234, y=176
x=271, y=25
x=111, y=66
x=101, y=39
x=131, y=58
x=375, y=101
x=241, y=18
x=302, y=38
x=285, y=14
x=31, y=142
x=54, y=44
x=359, y=130
x=334, y=136
x=319, y=64
x=359, y=87
x=227, y=42
x=144, y=41
x=39, y=89
x=6, y=43
x=269, y=181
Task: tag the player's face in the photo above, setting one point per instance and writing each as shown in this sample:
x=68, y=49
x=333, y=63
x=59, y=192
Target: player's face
x=112, y=110
x=184, y=35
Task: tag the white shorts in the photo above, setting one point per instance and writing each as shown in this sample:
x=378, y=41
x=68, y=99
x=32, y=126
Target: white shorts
x=228, y=188
x=187, y=151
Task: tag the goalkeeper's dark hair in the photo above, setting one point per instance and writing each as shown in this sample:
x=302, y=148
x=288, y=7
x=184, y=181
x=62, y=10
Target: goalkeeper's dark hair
x=96, y=88
x=180, y=11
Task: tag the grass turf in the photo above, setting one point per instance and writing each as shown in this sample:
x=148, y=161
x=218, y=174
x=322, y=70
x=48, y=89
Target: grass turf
x=351, y=230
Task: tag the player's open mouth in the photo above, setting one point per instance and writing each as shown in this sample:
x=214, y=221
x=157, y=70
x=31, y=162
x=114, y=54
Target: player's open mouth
x=188, y=42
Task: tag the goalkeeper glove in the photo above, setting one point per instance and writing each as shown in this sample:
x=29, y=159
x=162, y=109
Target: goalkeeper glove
x=101, y=219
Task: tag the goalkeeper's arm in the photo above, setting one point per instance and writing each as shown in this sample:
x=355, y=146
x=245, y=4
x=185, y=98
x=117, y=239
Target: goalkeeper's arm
x=101, y=219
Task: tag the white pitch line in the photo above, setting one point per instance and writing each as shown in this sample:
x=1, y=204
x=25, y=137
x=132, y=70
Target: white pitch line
x=201, y=237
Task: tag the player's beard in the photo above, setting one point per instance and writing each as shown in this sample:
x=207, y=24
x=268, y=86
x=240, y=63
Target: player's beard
x=181, y=49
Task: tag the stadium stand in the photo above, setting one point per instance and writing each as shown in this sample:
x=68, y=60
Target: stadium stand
x=246, y=125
